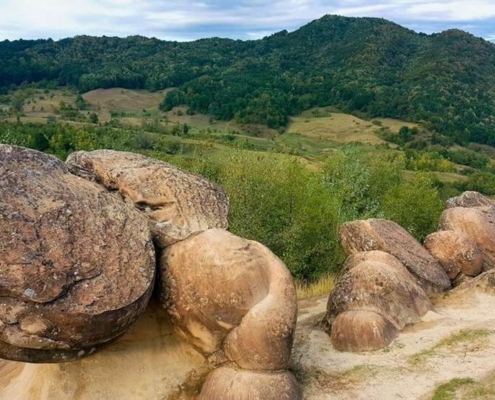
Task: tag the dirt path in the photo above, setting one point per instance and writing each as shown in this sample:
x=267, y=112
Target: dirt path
x=456, y=341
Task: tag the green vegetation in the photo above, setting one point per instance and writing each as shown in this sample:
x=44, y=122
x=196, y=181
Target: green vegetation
x=367, y=66
x=448, y=391
x=292, y=206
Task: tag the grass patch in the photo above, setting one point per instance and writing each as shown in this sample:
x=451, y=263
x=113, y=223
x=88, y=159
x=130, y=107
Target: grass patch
x=471, y=337
x=448, y=391
x=319, y=288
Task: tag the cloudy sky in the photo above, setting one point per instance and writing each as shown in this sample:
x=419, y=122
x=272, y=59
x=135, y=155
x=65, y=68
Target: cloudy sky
x=240, y=19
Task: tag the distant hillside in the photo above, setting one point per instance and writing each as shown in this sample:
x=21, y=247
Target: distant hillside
x=367, y=65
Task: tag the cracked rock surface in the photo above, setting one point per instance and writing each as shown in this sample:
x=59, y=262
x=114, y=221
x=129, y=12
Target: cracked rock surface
x=77, y=264
x=177, y=203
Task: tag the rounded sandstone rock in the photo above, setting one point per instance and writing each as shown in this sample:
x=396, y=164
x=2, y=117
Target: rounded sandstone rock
x=387, y=290
x=387, y=236
x=231, y=384
x=359, y=331
x=477, y=224
x=456, y=253
x=77, y=264
x=470, y=200
x=177, y=203
x=231, y=298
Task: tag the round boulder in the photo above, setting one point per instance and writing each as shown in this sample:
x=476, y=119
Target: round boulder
x=470, y=200
x=477, y=224
x=387, y=236
x=177, y=203
x=77, y=264
x=384, y=289
x=231, y=298
x=359, y=331
x=456, y=253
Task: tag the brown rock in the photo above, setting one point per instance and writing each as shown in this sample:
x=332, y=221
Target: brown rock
x=385, y=289
x=387, y=236
x=455, y=253
x=247, y=385
x=231, y=298
x=374, y=256
x=76, y=263
x=177, y=202
x=477, y=224
x=470, y=200
x=359, y=331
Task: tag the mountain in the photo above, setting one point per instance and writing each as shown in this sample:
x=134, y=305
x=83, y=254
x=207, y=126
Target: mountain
x=366, y=65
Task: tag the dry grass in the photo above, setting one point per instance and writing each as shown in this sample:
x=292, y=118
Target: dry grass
x=320, y=288
x=395, y=124
x=338, y=128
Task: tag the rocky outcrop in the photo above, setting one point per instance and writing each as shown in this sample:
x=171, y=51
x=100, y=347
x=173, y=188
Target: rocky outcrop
x=77, y=264
x=77, y=267
x=470, y=200
x=373, y=300
x=244, y=317
x=178, y=203
x=457, y=254
x=476, y=224
x=389, y=237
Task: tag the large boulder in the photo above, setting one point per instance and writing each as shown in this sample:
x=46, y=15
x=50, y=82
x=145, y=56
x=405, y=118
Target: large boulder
x=231, y=298
x=372, y=301
x=476, y=224
x=178, y=203
x=77, y=264
x=385, y=288
x=360, y=331
x=456, y=253
x=387, y=236
x=470, y=200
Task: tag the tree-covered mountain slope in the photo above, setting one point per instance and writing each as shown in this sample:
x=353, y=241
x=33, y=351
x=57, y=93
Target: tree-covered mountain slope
x=368, y=65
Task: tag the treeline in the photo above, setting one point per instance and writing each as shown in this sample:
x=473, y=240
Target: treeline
x=367, y=66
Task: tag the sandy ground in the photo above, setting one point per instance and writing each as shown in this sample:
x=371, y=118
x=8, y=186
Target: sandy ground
x=149, y=362
x=455, y=341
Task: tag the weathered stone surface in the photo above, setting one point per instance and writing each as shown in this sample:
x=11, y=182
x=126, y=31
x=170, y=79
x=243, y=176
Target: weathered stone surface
x=388, y=290
x=231, y=298
x=456, y=253
x=178, y=203
x=477, y=224
x=470, y=200
x=359, y=331
x=77, y=264
x=387, y=236
x=247, y=385
x=372, y=301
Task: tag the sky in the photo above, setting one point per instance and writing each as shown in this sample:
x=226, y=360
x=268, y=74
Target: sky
x=238, y=19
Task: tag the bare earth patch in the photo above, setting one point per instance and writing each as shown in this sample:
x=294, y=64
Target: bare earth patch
x=457, y=341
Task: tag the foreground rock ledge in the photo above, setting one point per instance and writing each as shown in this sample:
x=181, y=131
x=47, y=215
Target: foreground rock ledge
x=178, y=203
x=77, y=264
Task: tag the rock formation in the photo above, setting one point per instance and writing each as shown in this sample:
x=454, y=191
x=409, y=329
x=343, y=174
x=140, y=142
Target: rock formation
x=178, y=203
x=77, y=266
x=389, y=237
x=243, y=318
x=373, y=300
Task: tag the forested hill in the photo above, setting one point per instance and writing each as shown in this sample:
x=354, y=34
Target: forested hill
x=357, y=64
